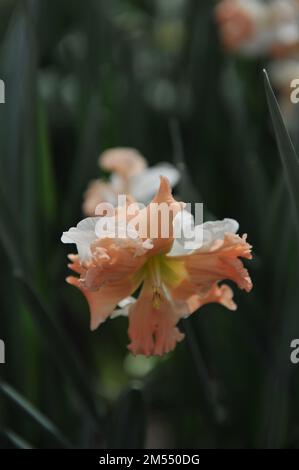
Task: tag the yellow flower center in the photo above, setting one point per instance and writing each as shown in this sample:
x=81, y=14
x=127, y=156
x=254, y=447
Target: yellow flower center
x=162, y=273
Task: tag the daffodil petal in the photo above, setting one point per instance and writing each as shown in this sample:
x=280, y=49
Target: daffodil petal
x=189, y=237
x=216, y=230
x=83, y=236
x=145, y=185
x=123, y=307
x=153, y=332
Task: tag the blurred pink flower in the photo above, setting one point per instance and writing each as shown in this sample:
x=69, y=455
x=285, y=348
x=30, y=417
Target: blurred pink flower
x=129, y=175
x=284, y=50
x=236, y=24
x=175, y=281
x=258, y=28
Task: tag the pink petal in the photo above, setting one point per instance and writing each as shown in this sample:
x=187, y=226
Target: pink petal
x=98, y=191
x=152, y=330
x=102, y=301
x=126, y=162
x=206, y=268
x=221, y=261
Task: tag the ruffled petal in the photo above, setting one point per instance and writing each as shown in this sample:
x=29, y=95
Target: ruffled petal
x=102, y=302
x=220, y=261
x=83, y=236
x=114, y=260
x=216, y=230
x=153, y=331
x=187, y=302
x=189, y=237
x=185, y=236
x=205, y=268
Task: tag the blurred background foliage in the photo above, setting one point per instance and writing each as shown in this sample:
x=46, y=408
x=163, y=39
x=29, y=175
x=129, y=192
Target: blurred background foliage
x=85, y=76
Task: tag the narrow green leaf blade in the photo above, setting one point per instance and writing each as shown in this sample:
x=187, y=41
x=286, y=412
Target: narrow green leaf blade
x=47, y=189
x=286, y=148
x=28, y=409
x=14, y=440
x=63, y=352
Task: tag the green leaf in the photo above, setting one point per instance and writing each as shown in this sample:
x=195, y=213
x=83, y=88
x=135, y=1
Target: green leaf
x=129, y=421
x=212, y=407
x=14, y=440
x=286, y=149
x=18, y=124
x=47, y=186
x=85, y=162
x=275, y=410
x=59, y=346
x=186, y=188
x=30, y=411
x=185, y=185
x=54, y=338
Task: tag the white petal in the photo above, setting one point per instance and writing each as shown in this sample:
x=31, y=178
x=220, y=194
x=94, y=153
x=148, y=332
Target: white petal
x=178, y=249
x=184, y=234
x=82, y=235
x=88, y=225
x=126, y=302
x=217, y=229
x=200, y=236
x=106, y=227
x=124, y=305
x=117, y=184
x=144, y=186
x=264, y=35
x=147, y=244
x=287, y=33
x=111, y=227
x=183, y=222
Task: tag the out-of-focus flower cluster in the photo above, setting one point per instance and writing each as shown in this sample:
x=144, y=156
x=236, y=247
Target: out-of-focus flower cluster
x=257, y=28
x=129, y=174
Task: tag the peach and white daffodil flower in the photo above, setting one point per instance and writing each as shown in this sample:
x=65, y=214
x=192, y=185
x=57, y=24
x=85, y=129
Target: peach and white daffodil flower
x=175, y=278
x=255, y=27
x=129, y=174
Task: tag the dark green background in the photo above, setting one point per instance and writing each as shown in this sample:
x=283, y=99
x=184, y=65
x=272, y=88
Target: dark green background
x=82, y=76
